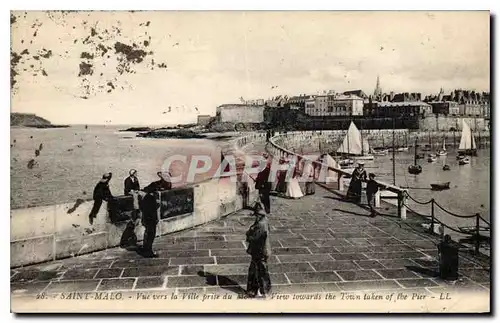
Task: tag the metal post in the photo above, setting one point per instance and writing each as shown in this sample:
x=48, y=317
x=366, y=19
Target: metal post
x=159, y=214
x=477, y=234
x=431, y=228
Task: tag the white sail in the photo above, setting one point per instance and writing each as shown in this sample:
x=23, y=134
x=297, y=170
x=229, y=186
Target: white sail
x=366, y=146
x=467, y=141
x=352, y=142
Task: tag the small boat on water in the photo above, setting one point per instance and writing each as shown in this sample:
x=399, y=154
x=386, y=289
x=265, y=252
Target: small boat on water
x=467, y=142
x=464, y=161
x=420, y=156
x=446, y=167
x=440, y=186
x=379, y=152
x=427, y=148
x=432, y=158
x=415, y=169
x=354, y=146
x=443, y=151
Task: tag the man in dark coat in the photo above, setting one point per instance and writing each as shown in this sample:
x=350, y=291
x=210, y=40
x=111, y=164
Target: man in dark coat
x=149, y=210
x=131, y=183
x=263, y=185
x=101, y=193
x=259, y=247
x=161, y=185
x=355, y=187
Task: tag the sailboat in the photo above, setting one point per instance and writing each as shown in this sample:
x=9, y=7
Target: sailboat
x=415, y=169
x=467, y=142
x=443, y=151
x=354, y=145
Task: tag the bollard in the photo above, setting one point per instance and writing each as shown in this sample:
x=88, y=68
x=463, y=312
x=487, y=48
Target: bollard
x=401, y=205
x=431, y=228
x=377, y=199
x=340, y=182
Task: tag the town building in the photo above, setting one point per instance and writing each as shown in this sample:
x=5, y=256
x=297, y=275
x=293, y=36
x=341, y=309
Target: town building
x=334, y=105
x=204, y=119
x=396, y=109
x=237, y=113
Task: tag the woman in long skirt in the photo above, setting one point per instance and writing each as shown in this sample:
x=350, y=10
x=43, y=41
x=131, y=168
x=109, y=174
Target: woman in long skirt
x=354, y=191
x=293, y=191
x=281, y=185
x=309, y=177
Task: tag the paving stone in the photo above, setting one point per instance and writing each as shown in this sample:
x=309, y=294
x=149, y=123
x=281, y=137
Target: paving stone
x=297, y=243
x=334, y=265
x=160, y=245
x=116, y=284
x=235, y=237
x=359, y=242
x=305, y=288
x=421, y=244
x=149, y=282
x=228, y=252
x=140, y=262
x=226, y=269
x=384, y=241
x=182, y=253
x=369, y=264
x=332, y=242
x=191, y=261
x=190, y=281
x=304, y=258
x=232, y=280
x=31, y=288
x=190, y=269
x=394, y=255
x=31, y=275
x=396, y=273
x=397, y=263
x=109, y=273
x=477, y=275
x=348, y=256
x=82, y=273
x=311, y=277
x=286, y=251
x=150, y=271
x=395, y=248
x=290, y=267
x=419, y=282
x=73, y=286
x=367, y=285
x=354, y=249
x=220, y=245
x=426, y=263
x=358, y=274
x=323, y=250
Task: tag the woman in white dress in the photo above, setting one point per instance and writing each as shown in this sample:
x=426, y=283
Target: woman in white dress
x=293, y=190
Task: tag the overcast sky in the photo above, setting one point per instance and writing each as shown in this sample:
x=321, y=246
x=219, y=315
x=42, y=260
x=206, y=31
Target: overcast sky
x=217, y=57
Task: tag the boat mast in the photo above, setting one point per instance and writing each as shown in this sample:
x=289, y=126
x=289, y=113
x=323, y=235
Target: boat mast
x=415, y=160
x=393, y=151
x=361, y=136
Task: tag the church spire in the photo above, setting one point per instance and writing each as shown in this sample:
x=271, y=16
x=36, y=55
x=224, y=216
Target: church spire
x=378, y=91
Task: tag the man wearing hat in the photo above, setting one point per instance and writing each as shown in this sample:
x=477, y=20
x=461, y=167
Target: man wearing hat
x=163, y=184
x=101, y=192
x=131, y=183
x=358, y=175
x=259, y=247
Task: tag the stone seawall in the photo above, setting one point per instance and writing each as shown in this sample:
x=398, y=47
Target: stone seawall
x=330, y=140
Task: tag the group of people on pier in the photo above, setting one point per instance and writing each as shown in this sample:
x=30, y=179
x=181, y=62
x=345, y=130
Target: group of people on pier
x=145, y=205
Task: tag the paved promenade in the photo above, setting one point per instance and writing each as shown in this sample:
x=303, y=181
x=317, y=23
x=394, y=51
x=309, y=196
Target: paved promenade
x=319, y=244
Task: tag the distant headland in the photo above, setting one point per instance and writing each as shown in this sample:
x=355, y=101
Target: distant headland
x=31, y=120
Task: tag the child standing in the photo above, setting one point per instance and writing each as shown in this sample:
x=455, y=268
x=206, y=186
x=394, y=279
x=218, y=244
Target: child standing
x=371, y=190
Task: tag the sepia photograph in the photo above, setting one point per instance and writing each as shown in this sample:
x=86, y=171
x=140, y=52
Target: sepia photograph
x=250, y=161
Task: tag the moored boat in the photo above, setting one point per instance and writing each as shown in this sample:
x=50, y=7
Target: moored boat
x=467, y=143
x=354, y=146
x=440, y=186
x=464, y=161
x=415, y=169
x=446, y=167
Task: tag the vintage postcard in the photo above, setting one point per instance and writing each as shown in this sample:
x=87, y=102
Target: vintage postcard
x=250, y=161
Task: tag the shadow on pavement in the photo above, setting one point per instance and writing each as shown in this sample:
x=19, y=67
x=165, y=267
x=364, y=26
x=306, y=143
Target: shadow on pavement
x=224, y=282
x=423, y=271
